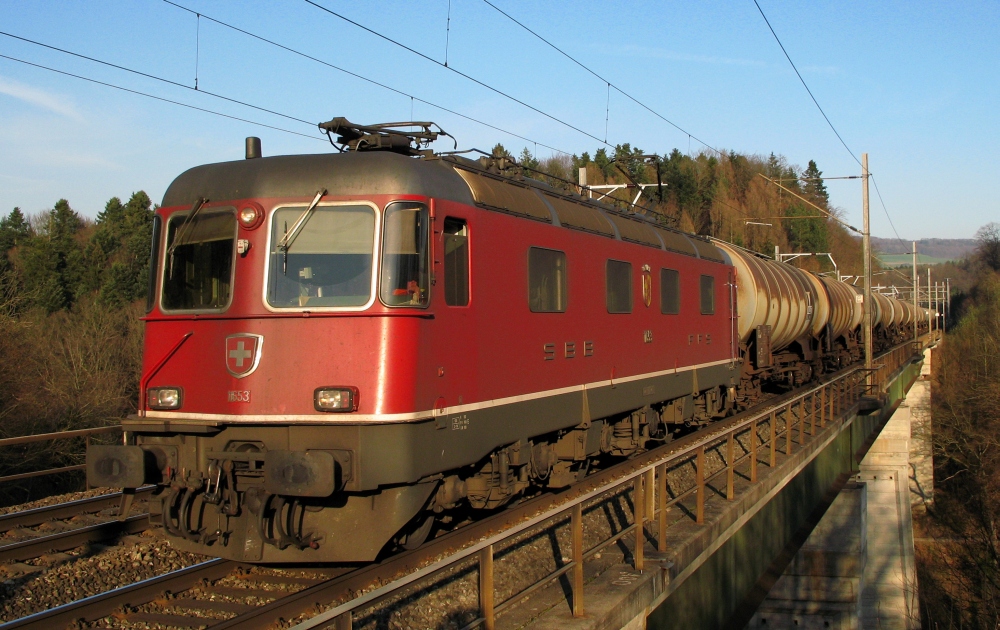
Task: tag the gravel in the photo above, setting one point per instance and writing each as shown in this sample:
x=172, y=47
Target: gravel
x=57, y=498
x=42, y=583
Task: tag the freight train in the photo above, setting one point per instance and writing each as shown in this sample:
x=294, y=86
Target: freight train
x=342, y=349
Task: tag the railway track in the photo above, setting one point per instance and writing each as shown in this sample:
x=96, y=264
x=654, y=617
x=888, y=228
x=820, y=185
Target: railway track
x=224, y=594
x=221, y=594
x=37, y=544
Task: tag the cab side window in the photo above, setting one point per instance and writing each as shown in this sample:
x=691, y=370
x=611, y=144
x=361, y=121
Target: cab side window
x=405, y=273
x=456, y=262
x=546, y=280
x=619, y=286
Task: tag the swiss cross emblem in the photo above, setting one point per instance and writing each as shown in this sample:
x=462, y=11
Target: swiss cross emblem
x=243, y=353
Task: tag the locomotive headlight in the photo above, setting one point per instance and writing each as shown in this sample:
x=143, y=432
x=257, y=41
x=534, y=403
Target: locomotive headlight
x=251, y=216
x=336, y=399
x=161, y=398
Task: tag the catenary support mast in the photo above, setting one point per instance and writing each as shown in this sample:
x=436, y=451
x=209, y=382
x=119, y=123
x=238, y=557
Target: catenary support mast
x=866, y=236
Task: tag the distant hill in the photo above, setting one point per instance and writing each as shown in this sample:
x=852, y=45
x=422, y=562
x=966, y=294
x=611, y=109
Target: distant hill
x=905, y=260
x=928, y=248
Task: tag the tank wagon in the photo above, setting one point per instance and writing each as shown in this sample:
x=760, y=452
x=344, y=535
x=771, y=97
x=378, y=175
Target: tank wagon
x=341, y=349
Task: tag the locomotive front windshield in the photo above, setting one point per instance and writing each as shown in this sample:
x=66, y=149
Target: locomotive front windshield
x=198, y=268
x=327, y=262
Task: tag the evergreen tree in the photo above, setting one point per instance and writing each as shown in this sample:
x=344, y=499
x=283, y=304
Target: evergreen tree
x=528, y=160
x=631, y=161
x=805, y=235
x=14, y=230
x=500, y=152
x=53, y=264
x=603, y=162
x=122, y=239
x=812, y=184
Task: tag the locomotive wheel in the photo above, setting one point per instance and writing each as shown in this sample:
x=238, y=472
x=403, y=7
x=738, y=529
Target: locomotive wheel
x=417, y=534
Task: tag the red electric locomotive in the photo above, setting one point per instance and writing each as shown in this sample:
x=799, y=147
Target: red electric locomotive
x=341, y=348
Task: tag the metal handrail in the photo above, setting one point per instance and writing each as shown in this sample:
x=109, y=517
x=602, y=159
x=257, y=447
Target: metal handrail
x=837, y=397
x=58, y=435
x=47, y=437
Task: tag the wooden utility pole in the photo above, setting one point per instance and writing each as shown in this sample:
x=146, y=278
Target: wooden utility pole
x=866, y=237
x=916, y=304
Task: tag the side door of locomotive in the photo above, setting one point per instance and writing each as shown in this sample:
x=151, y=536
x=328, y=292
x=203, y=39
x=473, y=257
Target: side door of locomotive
x=455, y=339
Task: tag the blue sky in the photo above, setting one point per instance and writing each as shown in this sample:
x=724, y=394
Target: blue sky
x=914, y=84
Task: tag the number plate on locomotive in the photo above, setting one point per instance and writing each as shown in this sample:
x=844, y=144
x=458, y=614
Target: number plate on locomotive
x=239, y=395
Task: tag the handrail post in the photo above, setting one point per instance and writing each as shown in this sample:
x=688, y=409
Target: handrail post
x=774, y=438
x=789, y=426
x=731, y=465
x=812, y=413
x=753, y=451
x=838, y=399
x=647, y=486
x=662, y=492
x=832, y=414
x=699, y=480
x=822, y=406
x=638, y=503
x=486, y=587
x=577, y=526
x=802, y=420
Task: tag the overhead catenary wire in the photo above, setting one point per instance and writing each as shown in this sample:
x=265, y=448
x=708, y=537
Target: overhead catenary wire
x=878, y=194
x=157, y=78
x=459, y=73
x=160, y=98
x=363, y=78
x=803, y=81
x=825, y=117
x=678, y=127
x=604, y=80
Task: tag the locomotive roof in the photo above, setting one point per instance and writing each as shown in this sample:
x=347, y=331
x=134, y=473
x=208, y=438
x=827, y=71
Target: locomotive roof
x=355, y=173
x=385, y=172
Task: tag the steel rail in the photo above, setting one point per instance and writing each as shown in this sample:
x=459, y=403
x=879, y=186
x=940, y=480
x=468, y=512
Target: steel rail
x=69, y=539
x=109, y=602
x=39, y=515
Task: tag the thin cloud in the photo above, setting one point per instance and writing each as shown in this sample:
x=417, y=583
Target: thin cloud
x=51, y=102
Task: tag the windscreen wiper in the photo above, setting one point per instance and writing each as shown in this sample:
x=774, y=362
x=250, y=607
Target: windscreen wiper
x=286, y=240
x=183, y=230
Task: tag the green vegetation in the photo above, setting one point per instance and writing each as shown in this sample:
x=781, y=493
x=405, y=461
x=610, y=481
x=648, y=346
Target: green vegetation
x=906, y=260
x=70, y=335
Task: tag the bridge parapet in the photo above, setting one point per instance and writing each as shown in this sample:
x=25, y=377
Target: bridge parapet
x=714, y=511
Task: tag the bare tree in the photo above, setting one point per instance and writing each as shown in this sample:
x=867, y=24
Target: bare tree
x=988, y=245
